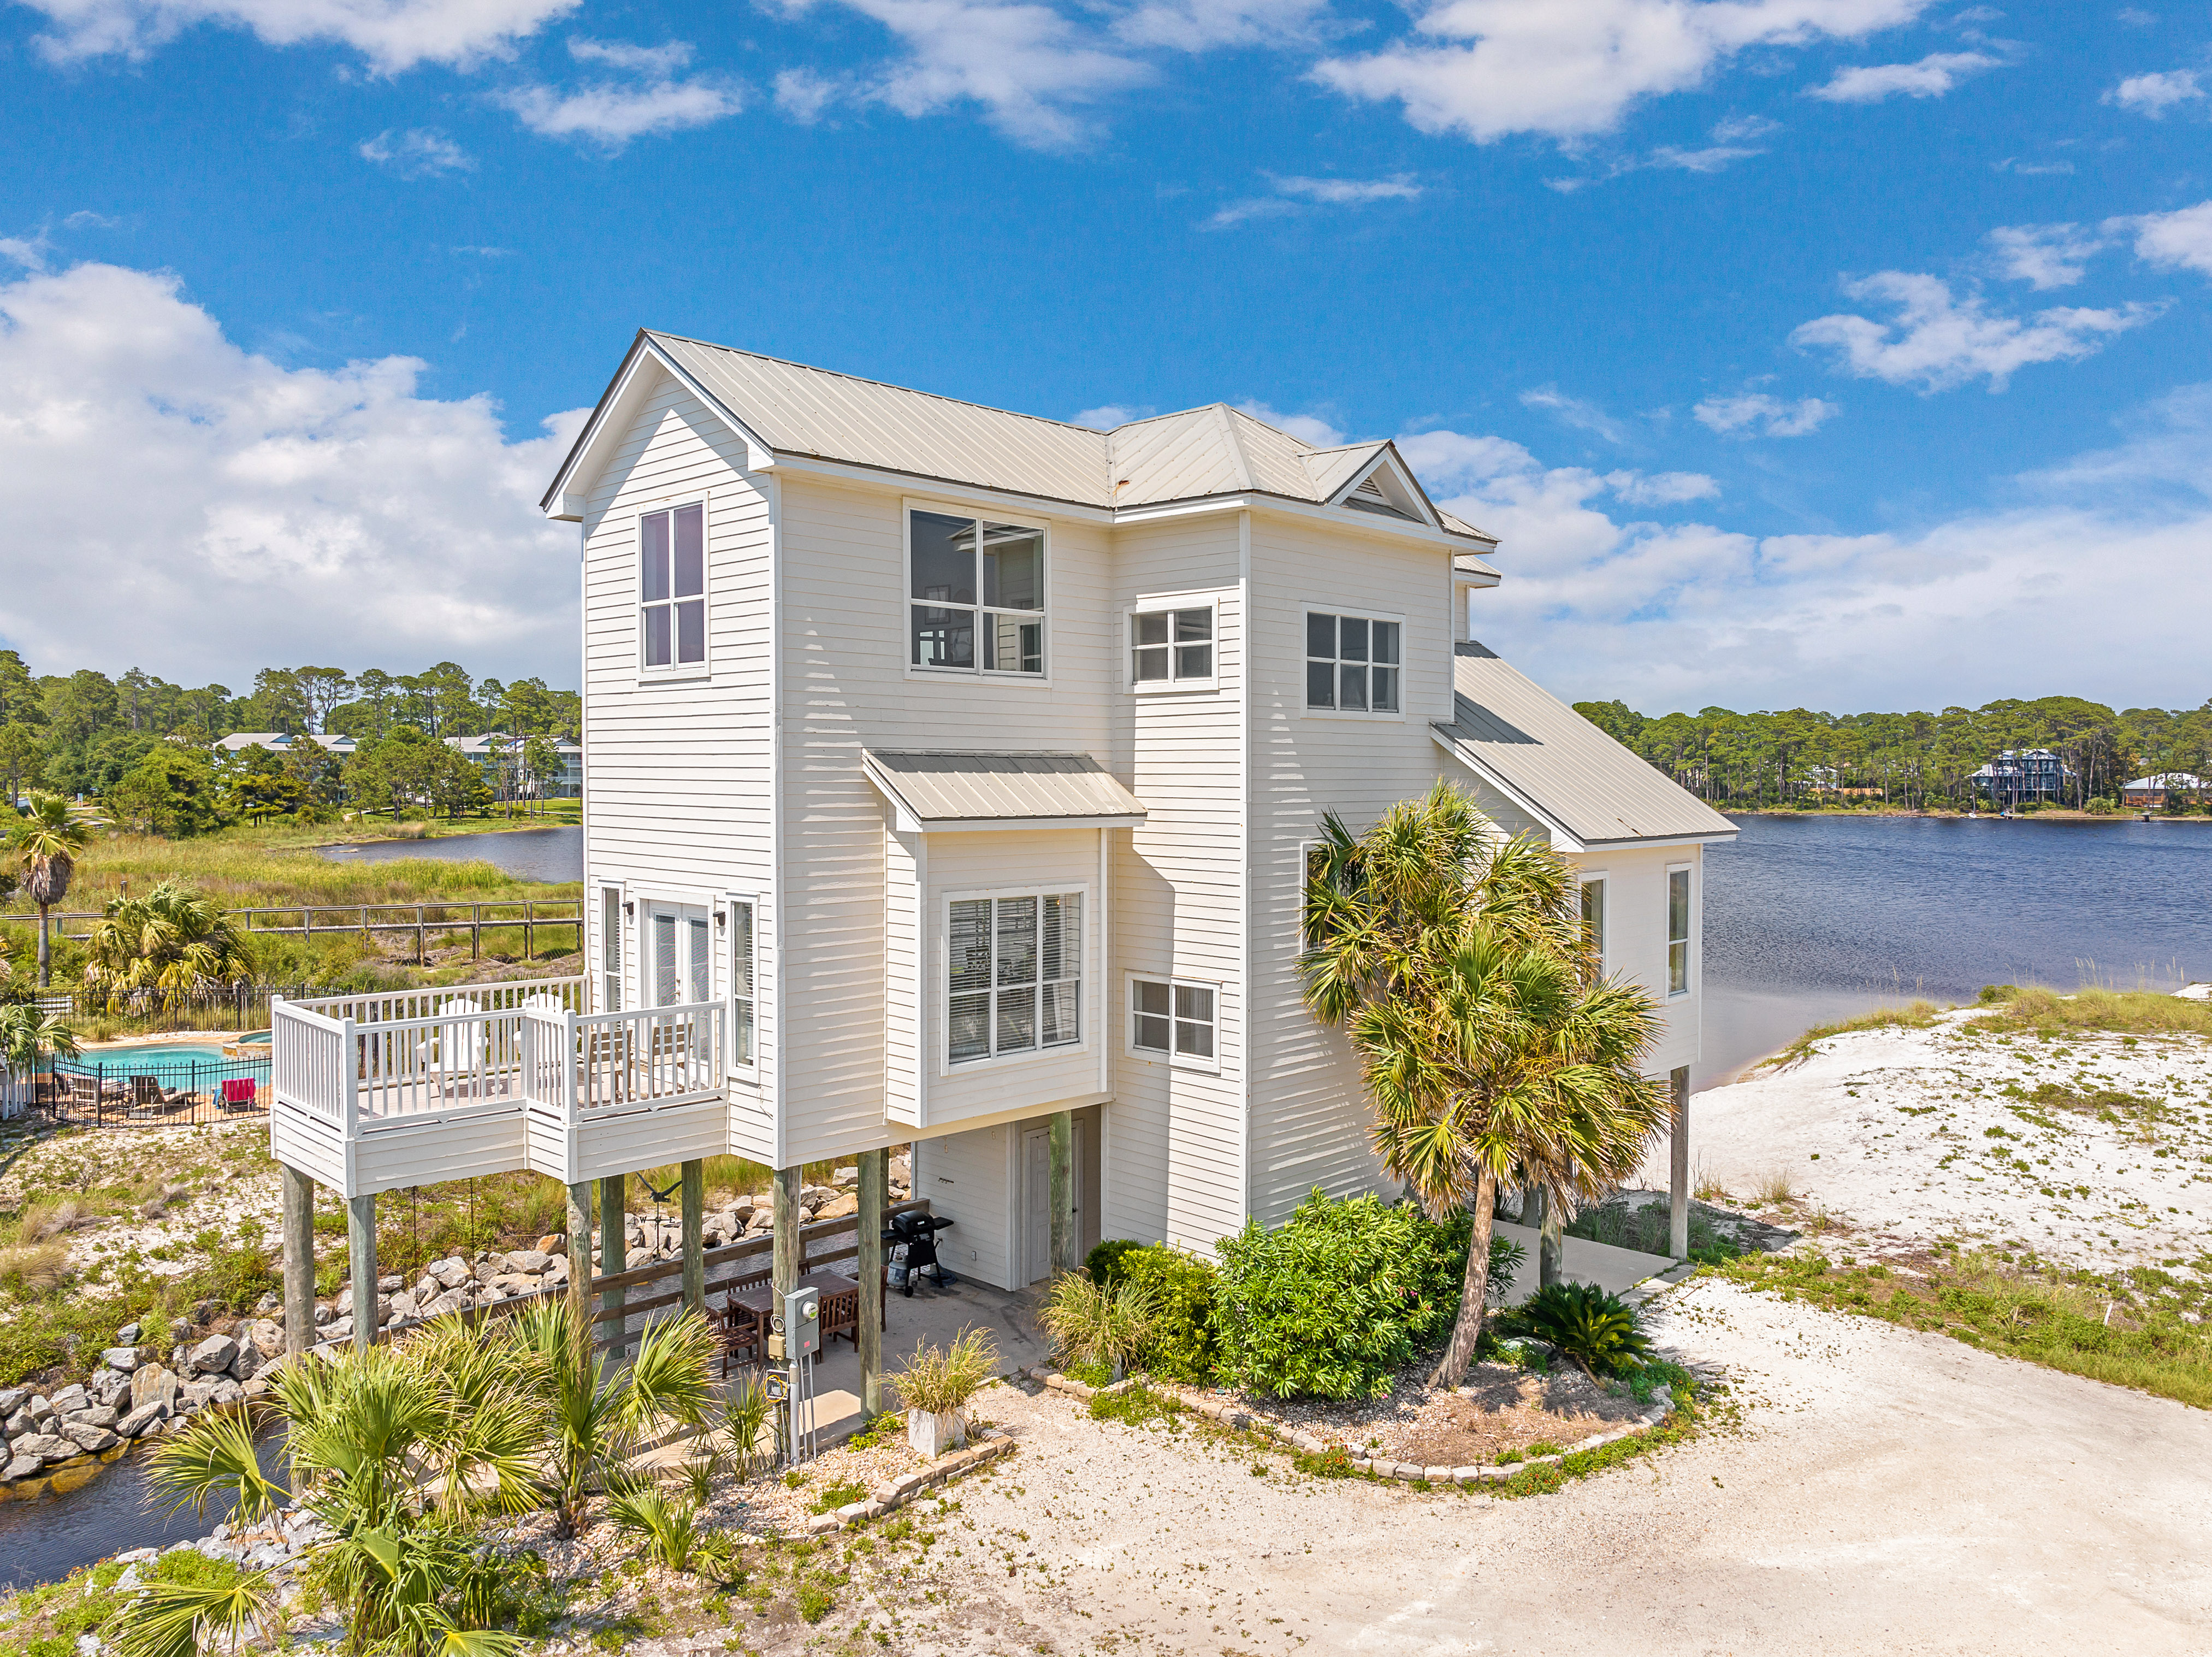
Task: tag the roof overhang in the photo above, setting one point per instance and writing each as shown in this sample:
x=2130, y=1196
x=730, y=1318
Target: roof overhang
x=971, y=792
x=1565, y=838
x=565, y=501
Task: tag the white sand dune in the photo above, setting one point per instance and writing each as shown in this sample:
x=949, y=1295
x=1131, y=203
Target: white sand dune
x=1940, y=1134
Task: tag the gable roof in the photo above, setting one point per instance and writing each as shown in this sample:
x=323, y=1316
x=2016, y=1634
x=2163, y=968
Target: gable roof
x=789, y=409
x=944, y=788
x=1534, y=748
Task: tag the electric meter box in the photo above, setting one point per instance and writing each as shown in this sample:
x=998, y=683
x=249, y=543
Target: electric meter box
x=802, y=1323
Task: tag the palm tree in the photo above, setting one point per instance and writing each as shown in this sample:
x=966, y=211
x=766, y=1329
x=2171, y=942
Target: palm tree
x=593, y=1421
x=27, y=1036
x=1457, y=961
x=400, y=1451
x=44, y=845
x=173, y=939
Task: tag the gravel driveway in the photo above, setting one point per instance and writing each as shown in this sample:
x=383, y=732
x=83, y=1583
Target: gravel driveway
x=1879, y=1490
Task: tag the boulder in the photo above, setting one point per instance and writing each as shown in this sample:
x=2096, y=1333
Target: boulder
x=17, y=1424
x=516, y=1282
x=88, y=1438
x=451, y=1272
x=839, y=1208
x=451, y=1300
x=122, y=1358
x=387, y=1285
x=226, y=1390
x=558, y=1271
x=339, y=1328
x=214, y=1354
x=128, y=1334
x=154, y=1385
x=140, y=1419
x=266, y=1304
x=111, y=1386
x=553, y=1242
x=13, y=1398
x=267, y=1336
x=72, y=1397
x=403, y=1305
x=99, y=1416
x=19, y=1466
x=195, y=1393
x=487, y=1271
x=42, y=1411
x=343, y=1306
x=45, y=1447
x=636, y=1257
x=531, y=1260
x=243, y=1366
x=324, y=1315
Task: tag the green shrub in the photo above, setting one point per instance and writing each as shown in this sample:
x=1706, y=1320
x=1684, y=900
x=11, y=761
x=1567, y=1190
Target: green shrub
x=1180, y=1344
x=1581, y=1321
x=1103, y=1263
x=1332, y=1304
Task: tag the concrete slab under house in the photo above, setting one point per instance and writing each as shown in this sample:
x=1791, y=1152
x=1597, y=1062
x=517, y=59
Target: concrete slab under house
x=955, y=778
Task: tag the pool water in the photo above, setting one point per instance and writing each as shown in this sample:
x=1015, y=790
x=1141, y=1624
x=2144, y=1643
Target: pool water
x=152, y=1052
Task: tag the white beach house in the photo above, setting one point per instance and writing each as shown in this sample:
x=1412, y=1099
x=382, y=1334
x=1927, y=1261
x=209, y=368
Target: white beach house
x=953, y=775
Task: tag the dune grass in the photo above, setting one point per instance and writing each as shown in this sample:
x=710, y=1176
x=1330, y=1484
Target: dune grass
x=2048, y=1012
x=241, y=869
x=1917, y=1016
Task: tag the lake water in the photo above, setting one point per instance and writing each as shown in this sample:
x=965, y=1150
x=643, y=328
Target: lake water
x=546, y=854
x=1812, y=918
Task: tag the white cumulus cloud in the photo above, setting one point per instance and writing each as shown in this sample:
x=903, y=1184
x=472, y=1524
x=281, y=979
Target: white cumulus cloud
x=2154, y=94
x=1306, y=428
x=2045, y=256
x=1938, y=339
x=1577, y=411
x=416, y=153
x=1758, y=414
x=393, y=34
x=2179, y=240
x=295, y=514
x=1292, y=196
x=1107, y=416
x=1568, y=68
x=639, y=93
x=1932, y=77
x=1204, y=25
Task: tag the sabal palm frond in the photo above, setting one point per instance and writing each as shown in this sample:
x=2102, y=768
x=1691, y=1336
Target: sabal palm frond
x=217, y=1455
x=178, y=1619
x=171, y=939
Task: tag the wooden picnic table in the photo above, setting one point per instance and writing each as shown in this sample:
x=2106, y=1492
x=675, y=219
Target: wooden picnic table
x=750, y=1304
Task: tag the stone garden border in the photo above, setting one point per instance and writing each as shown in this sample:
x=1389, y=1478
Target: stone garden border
x=1232, y=1415
x=993, y=1445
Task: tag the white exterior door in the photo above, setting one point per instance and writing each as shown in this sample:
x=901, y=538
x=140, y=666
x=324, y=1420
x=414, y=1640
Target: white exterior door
x=679, y=959
x=1037, y=1197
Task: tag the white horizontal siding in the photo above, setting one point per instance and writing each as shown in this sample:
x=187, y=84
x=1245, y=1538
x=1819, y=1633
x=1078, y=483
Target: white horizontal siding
x=1636, y=939
x=969, y=1178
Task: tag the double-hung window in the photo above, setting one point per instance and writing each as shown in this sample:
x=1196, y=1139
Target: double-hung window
x=611, y=949
x=1014, y=975
x=671, y=584
x=976, y=593
x=1174, y=1019
x=1677, y=931
x=1351, y=663
x=741, y=984
x=1172, y=648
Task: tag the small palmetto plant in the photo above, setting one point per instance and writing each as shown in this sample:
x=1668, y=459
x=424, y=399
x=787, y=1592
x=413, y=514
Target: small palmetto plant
x=183, y=1619
x=1583, y=1323
x=666, y=1522
x=1093, y=1324
x=745, y=1418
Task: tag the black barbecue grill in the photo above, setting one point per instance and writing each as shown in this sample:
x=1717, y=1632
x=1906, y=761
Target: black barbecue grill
x=911, y=1237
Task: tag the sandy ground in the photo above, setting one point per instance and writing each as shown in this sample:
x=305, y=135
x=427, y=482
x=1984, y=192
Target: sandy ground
x=1936, y=1134
x=1882, y=1492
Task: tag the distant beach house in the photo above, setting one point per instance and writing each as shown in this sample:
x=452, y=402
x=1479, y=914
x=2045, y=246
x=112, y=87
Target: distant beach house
x=2153, y=792
x=280, y=742
x=493, y=748
x=956, y=777
x=2023, y=774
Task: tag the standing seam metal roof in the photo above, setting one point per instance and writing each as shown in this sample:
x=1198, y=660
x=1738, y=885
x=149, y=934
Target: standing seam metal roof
x=1215, y=450
x=1573, y=772
x=971, y=786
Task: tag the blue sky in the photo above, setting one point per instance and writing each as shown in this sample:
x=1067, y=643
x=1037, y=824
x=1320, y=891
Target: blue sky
x=1843, y=352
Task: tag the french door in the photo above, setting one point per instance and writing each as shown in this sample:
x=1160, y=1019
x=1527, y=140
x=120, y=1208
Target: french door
x=679, y=959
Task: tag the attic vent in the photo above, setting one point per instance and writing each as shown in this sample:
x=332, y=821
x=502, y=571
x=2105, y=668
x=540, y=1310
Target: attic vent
x=1373, y=490
x=1367, y=495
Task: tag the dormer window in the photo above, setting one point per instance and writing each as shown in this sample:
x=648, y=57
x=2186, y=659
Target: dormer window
x=977, y=595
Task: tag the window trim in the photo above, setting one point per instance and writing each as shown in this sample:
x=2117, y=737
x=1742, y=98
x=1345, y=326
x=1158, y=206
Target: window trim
x=1152, y=605
x=939, y=992
x=730, y=905
x=612, y=928
x=1317, y=606
x=1174, y=1060
x=1689, y=939
x=1598, y=877
x=675, y=671
x=907, y=507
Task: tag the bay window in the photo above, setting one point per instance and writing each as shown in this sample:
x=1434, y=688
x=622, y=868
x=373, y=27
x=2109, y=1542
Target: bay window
x=976, y=592
x=1014, y=975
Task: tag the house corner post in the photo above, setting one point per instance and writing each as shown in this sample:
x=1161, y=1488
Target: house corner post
x=1678, y=1203
x=1062, y=1139
x=784, y=1262
x=360, y=1255
x=299, y=1261
x=579, y=1256
x=868, y=1229
x=614, y=1251
x=694, y=1235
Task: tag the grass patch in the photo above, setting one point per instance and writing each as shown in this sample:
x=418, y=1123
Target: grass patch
x=1135, y=1406
x=839, y=1495
x=2043, y=1318
x=1551, y=1477
x=1917, y=1016
x=2044, y=1012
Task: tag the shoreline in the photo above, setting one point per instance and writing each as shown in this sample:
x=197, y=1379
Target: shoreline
x=2055, y=815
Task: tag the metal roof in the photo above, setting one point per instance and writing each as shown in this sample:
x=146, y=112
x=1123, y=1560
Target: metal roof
x=819, y=414
x=1511, y=731
x=942, y=788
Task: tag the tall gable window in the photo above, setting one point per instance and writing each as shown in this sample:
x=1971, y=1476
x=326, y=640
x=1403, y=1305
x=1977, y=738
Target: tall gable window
x=1351, y=663
x=672, y=588
x=976, y=592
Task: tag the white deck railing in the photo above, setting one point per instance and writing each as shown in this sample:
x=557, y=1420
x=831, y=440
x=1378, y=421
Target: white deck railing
x=519, y=1044
x=597, y=1061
